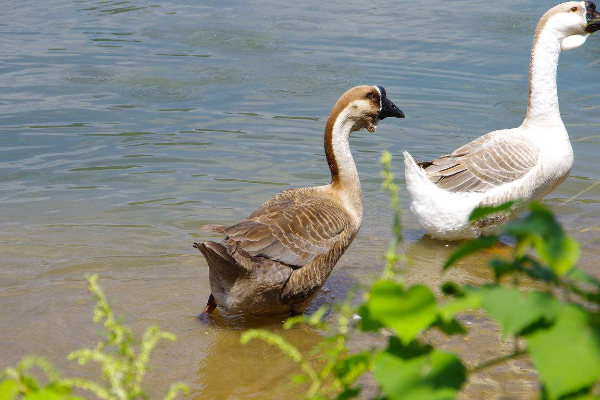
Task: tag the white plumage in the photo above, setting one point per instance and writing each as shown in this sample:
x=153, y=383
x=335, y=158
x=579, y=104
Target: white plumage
x=523, y=163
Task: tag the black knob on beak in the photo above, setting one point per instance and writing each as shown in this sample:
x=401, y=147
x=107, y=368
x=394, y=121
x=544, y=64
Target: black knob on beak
x=388, y=108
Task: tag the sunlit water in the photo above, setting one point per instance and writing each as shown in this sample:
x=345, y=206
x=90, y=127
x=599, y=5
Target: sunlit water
x=127, y=125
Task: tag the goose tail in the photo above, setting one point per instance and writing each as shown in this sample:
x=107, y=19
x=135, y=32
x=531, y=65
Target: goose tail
x=214, y=253
x=442, y=214
x=223, y=268
x=224, y=272
x=418, y=184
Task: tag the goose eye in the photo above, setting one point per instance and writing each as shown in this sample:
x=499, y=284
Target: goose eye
x=574, y=9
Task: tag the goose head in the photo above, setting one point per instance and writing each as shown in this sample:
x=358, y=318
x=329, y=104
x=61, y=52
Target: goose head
x=573, y=22
x=362, y=107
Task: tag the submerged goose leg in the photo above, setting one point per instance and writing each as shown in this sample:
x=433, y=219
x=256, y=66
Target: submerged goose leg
x=210, y=306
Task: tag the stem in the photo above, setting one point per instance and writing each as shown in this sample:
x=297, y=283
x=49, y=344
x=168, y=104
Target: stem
x=391, y=256
x=497, y=360
x=582, y=192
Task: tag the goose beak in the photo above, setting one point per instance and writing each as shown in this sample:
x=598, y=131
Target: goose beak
x=389, y=109
x=592, y=16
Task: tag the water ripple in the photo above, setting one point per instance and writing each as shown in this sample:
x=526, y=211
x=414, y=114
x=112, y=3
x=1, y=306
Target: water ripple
x=87, y=76
x=219, y=39
x=159, y=88
x=299, y=24
x=296, y=79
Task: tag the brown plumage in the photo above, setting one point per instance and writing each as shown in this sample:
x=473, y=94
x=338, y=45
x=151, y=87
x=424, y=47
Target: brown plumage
x=276, y=260
x=284, y=251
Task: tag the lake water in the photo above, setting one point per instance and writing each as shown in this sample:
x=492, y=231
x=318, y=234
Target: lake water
x=127, y=125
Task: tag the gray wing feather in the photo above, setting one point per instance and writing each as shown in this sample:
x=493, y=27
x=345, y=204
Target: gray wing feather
x=483, y=164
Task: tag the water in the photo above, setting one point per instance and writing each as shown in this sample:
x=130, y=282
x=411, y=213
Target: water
x=127, y=125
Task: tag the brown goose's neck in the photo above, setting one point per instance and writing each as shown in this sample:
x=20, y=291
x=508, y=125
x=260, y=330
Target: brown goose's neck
x=329, y=153
x=344, y=176
x=337, y=149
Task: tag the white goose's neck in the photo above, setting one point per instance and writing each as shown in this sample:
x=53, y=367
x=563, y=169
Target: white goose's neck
x=344, y=175
x=543, y=107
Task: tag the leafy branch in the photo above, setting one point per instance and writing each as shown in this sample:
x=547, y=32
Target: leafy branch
x=123, y=364
x=560, y=321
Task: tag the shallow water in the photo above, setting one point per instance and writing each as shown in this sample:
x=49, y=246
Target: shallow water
x=127, y=125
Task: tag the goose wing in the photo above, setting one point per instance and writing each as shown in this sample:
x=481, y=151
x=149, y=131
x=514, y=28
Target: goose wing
x=291, y=228
x=483, y=164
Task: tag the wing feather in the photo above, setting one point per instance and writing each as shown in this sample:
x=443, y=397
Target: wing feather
x=483, y=164
x=292, y=228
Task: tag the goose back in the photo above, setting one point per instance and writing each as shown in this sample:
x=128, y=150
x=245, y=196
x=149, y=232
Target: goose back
x=484, y=163
x=292, y=228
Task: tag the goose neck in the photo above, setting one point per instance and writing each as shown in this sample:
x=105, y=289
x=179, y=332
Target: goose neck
x=543, y=108
x=344, y=175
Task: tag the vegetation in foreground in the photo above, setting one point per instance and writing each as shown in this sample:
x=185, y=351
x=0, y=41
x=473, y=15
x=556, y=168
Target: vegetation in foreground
x=559, y=322
x=123, y=364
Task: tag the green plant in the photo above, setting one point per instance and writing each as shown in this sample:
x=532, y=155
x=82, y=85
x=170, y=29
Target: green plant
x=560, y=321
x=123, y=364
x=338, y=369
x=18, y=383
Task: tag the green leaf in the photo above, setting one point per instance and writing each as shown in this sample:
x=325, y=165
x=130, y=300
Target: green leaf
x=536, y=271
x=470, y=247
x=501, y=268
x=584, y=285
x=516, y=311
x=449, y=310
x=452, y=289
x=539, y=221
x=30, y=383
x=560, y=256
x=452, y=327
x=484, y=211
x=8, y=389
x=407, y=312
x=417, y=372
x=567, y=355
x=350, y=393
x=367, y=323
x=540, y=228
x=581, y=276
x=348, y=369
x=47, y=394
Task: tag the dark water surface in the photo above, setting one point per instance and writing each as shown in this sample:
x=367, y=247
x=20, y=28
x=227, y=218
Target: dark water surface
x=126, y=125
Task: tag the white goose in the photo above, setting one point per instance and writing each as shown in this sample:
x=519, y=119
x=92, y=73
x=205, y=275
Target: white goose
x=523, y=163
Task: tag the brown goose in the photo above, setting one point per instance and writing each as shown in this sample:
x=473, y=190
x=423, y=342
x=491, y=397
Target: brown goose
x=275, y=261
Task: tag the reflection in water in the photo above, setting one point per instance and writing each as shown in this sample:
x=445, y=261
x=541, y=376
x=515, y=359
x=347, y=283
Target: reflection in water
x=231, y=370
x=430, y=255
x=125, y=126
